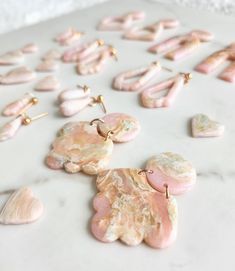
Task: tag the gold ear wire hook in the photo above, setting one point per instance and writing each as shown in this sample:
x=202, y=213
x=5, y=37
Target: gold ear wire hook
x=150, y=171
x=96, y=120
x=187, y=77
x=167, y=191
x=157, y=63
x=113, y=52
x=109, y=133
x=27, y=120
x=99, y=100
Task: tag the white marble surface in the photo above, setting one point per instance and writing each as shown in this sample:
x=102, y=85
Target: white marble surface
x=61, y=240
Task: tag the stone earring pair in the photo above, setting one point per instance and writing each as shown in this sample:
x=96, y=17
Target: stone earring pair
x=18, y=109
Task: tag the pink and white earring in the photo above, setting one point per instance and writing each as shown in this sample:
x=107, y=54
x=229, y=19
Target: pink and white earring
x=118, y=23
x=150, y=32
x=136, y=205
x=69, y=36
x=142, y=76
x=174, y=85
x=72, y=101
x=81, y=51
x=87, y=146
x=95, y=62
x=10, y=129
x=22, y=207
x=216, y=59
x=181, y=46
x=21, y=105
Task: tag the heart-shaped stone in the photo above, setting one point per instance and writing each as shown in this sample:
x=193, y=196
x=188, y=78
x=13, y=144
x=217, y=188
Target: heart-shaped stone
x=17, y=76
x=48, y=83
x=203, y=126
x=22, y=207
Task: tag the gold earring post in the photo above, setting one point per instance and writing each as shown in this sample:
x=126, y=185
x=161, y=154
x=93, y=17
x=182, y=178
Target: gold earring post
x=27, y=120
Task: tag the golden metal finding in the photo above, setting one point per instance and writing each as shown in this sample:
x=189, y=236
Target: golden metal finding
x=96, y=120
x=187, y=77
x=108, y=135
x=150, y=171
x=100, y=42
x=85, y=88
x=27, y=120
x=113, y=52
x=167, y=191
x=98, y=100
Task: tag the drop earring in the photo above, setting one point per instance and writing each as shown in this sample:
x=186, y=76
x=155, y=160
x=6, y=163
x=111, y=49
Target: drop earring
x=74, y=100
x=174, y=85
x=136, y=205
x=87, y=146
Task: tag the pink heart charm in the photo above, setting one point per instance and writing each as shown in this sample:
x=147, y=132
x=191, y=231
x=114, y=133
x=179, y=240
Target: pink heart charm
x=49, y=83
x=21, y=208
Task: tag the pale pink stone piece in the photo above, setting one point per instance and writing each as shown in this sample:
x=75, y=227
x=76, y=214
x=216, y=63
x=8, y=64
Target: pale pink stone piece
x=202, y=126
x=174, y=85
x=81, y=51
x=143, y=74
x=181, y=46
x=9, y=130
x=71, y=107
x=216, y=59
x=118, y=23
x=17, y=76
x=228, y=74
x=22, y=207
x=68, y=37
x=48, y=83
x=12, y=58
x=124, y=127
x=15, y=107
x=79, y=147
x=52, y=54
x=129, y=209
x=29, y=48
x=172, y=170
x=95, y=62
x=47, y=66
x=71, y=94
x=150, y=32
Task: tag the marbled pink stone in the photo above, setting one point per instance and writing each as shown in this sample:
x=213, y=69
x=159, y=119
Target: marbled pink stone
x=15, y=107
x=95, y=62
x=143, y=75
x=22, y=207
x=181, y=46
x=150, y=32
x=29, y=48
x=68, y=37
x=48, y=83
x=79, y=147
x=216, y=59
x=124, y=127
x=9, y=130
x=47, y=66
x=81, y=51
x=173, y=85
x=172, y=170
x=129, y=209
x=118, y=23
x=202, y=126
x=17, y=76
x=12, y=58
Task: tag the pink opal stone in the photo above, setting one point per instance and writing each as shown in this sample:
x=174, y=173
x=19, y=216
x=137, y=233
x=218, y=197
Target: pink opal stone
x=12, y=58
x=229, y=73
x=79, y=147
x=124, y=127
x=9, y=130
x=71, y=94
x=172, y=170
x=71, y=107
x=47, y=66
x=22, y=207
x=68, y=37
x=49, y=83
x=53, y=54
x=17, y=76
x=30, y=48
x=129, y=209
